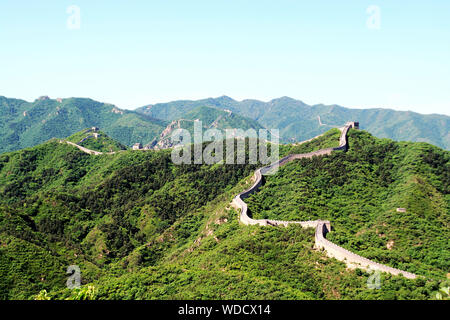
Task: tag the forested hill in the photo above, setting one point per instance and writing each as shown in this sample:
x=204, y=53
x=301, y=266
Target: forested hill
x=361, y=190
x=298, y=121
x=94, y=139
x=210, y=118
x=140, y=227
x=24, y=124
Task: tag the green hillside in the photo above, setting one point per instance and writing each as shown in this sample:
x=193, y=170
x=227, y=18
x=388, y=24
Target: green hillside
x=94, y=211
x=24, y=124
x=140, y=227
x=359, y=192
x=211, y=118
x=97, y=140
x=221, y=119
x=298, y=121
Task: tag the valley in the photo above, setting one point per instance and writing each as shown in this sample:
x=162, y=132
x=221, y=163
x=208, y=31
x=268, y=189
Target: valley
x=140, y=227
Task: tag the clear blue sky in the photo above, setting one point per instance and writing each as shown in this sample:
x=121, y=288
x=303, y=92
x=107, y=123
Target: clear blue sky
x=132, y=53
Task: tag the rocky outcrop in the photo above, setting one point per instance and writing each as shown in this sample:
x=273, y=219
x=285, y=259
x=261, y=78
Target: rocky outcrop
x=164, y=141
x=322, y=227
x=116, y=110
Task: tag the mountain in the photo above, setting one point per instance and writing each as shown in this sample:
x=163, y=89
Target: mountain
x=361, y=195
x=211, y=118
x=298, y=121
x=94, y=139
x=24, y=124
x=221, y=119
x=140, y=227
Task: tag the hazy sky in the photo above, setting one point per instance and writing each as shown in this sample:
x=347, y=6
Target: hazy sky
x=390, y=54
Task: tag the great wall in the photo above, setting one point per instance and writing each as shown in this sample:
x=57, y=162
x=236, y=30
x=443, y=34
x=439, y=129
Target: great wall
x=85, y=150
x=351, y=259
x=322, y=227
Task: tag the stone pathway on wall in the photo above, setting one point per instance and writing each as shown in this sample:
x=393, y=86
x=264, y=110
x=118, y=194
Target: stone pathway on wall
x=322, y=227
x=93, y=152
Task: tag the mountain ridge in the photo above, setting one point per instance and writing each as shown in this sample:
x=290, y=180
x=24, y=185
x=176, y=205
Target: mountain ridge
x=298, y=121
x=132, y=220
x=321, y=227
x=24, y=124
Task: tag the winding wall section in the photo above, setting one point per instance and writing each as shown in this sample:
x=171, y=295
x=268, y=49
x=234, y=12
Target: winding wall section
x=93, y=152
x=85, y=150
x=322, y=227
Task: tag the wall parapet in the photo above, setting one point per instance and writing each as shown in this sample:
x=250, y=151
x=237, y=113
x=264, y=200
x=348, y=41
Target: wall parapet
x=352, y=259
x=322, y=227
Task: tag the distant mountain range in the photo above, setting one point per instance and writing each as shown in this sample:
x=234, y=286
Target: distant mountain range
x=94, y=139
x=298, y=121
x=24, y=124
x=210, y=118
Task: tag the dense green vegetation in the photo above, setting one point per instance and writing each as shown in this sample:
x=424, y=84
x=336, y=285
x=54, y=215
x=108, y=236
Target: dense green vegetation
x=140, y=227
x=231, y=262
x=298, y=121
x=359, y=192
x=93, y=210
x=222, y=119
x=24, y=124
x=329, y=139
x=96, y=140
x=211, y=118
x=208, y=255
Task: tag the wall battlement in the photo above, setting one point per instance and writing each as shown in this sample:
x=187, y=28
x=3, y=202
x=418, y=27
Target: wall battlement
x=322, y=227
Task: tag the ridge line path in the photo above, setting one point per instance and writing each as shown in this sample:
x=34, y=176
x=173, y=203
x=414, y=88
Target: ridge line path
x=93, y=152
x=322, y=227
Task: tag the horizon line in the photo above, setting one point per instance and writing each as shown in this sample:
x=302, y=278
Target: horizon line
x=236, y=100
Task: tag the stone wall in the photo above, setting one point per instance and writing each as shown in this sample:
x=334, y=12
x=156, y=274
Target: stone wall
x=351, y=259
x=86, y=150
x=322, y=227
